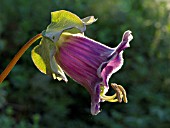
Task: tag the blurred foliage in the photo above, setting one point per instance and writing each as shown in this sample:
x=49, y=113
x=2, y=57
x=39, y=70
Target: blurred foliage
x=29, y=99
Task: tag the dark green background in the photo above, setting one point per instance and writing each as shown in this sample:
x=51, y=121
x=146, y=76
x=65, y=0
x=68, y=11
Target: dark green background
x=30, y=99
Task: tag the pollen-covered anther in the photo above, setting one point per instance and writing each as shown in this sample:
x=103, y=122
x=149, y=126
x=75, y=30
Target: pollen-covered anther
x=117, y=97
x=120, y=92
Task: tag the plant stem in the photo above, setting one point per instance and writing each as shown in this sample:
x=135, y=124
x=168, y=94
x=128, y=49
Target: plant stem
x=17, y=57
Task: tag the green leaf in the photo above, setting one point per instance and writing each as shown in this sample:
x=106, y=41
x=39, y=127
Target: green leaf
x=43, y=57
x=63, y=21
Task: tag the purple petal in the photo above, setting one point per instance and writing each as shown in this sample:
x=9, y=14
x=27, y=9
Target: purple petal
x=127, y=37
x=95, y=100
x=80, y=58
x=111, y=66
x=90, y=63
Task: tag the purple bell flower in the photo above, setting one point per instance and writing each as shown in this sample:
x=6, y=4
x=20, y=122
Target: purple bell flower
x=64, y=49
x=91, y=64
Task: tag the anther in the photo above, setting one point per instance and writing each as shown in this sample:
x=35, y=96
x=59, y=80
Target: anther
x=117, y=97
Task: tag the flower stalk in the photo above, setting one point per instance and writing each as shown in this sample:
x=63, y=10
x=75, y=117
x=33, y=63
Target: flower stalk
x=18, y=56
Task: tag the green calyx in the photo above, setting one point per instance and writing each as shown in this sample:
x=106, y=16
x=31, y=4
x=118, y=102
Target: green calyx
x=43, y=54
x=64, y=21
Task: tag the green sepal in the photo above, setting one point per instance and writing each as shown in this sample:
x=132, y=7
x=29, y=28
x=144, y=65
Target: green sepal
x=43, y=57
x=63, y=21
x=89, y=20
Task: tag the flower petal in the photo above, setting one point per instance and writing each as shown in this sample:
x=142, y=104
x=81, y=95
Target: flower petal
x=80, y=57
x=111, y=66
x=90, y=63
x=127, y=37
x=95, y=100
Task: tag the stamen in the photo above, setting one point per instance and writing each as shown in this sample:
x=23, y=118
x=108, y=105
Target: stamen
x=117, y=97
x=124, y=93
x=118, y=92
x=108, y=97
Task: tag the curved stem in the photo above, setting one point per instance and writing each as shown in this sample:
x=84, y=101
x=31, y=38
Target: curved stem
x=18, y=56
